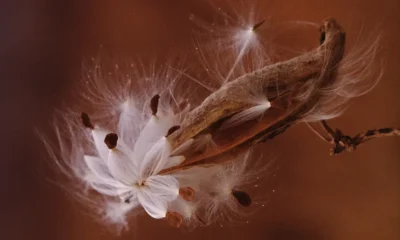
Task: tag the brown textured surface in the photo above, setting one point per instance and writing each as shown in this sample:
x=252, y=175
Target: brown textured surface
x=351, y=196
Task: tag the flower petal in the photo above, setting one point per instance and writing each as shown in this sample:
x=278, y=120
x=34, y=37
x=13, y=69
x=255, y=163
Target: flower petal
x=130, y=116
x=121, y=166
x=156, y=159
x=97, y=166
x=110, y=187
x=156, y=207
x=98, y=137
x=165, y=187
x=156, y=128
x=174, y=161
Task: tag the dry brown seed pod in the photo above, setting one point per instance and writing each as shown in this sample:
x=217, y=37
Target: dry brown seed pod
x=290, y=73
x=313, y=70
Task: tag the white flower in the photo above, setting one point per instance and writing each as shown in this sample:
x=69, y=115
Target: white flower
x=132, y=174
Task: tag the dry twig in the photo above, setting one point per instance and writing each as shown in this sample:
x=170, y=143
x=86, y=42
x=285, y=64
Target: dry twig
x=343, y=142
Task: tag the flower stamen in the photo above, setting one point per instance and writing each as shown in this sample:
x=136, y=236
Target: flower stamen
x=154, y=104
x=86, y=121
x=111, y=140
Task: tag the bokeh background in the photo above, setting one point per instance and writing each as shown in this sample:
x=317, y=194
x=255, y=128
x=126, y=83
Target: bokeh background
x=42, y=46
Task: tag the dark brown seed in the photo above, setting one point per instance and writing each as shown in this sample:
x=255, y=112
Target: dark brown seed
x=258, y=24
x=242, y=197
x=111, y=140
x=86, y=121
x=174, y=219
x=154, y=104
x=172, y=130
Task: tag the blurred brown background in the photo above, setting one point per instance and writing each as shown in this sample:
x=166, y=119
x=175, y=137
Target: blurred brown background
x=42, y=45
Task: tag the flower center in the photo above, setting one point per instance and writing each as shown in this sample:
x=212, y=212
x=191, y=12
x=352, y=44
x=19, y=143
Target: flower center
x=140, y=183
